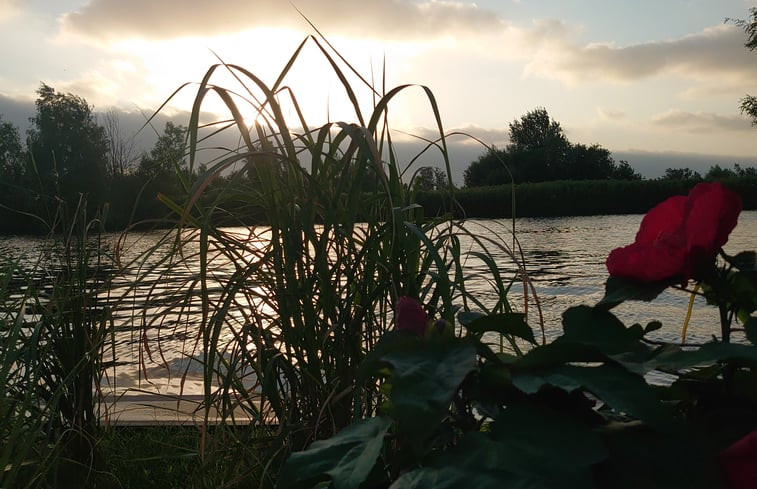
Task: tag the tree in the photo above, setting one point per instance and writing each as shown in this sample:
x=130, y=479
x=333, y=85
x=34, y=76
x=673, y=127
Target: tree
x=535, y=131
x=13, y=196
x=748, y=172
x=491, y=168
x=748, y=103
x=539, y=151
x=624, y=171
x=68, y=147
x=120, y=149
x=538, y=147
x=11, y=153
x=588, y=163
x=168, y=153
x=681, y=174
x=430, y=178
x=717, y=173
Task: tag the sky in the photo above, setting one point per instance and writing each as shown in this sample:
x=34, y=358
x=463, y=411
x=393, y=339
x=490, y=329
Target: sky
x=656, y=82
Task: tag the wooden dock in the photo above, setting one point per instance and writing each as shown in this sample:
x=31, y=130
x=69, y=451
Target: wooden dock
x=148, y=409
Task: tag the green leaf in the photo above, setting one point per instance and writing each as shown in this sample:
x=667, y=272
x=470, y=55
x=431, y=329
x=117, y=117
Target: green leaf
x=508, y=324
x=744, y=261
x=424, y=381
x=467, y=317
x=558, y=352
x=620, y=389
x=599, y=327
x=390, y=342
x=346, y=458
x=743, y=290
x=751, y=330
x=480, y=462
x=709, y=354
x=652, y=326
x=619, y=290
x=540, y=439
x=454, y=477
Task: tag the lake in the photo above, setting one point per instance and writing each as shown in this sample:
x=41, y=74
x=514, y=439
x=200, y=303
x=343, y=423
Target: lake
x=564, y=258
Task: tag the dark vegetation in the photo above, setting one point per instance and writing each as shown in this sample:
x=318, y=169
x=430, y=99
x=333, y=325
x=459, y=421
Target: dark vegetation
x=539, y=151
x=69, y=157
x=571, y=197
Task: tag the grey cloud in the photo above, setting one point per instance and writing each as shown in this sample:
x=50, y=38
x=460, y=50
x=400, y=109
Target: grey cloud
x=17, y=111
x=700, y=122
x=715, y=51
x=611, y=114
x=468, y=135
x=401, y=19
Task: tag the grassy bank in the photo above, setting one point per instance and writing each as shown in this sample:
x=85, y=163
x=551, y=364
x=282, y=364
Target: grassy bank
x=571, y=198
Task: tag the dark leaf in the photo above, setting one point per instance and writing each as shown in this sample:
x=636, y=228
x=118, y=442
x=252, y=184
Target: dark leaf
x=751, y=330
x=619, y=290
x=346, y=458
x=707, y=355
x=424, y=382
x=467, y=317
x=558, y=353
x=599, y=327
x=480, y=462
x=625, y=392
x=540, y=439
x=510, y=324
x=652, y=326
x=744, y=261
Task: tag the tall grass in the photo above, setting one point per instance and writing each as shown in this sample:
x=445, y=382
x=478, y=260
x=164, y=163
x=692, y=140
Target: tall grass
x=54, y=336
x=282, y=335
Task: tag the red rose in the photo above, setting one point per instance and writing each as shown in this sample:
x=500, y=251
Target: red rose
x=679, y=237
x=410, y=316
x=740, y=462
x=712, y=212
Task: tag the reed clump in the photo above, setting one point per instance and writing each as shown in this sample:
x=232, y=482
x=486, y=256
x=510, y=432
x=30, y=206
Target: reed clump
x=283, y=334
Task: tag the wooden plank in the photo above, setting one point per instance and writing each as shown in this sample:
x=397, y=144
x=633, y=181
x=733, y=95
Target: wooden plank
x=146, y=409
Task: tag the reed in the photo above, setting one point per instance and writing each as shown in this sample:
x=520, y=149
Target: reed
x=282, y=335
x=54, y=338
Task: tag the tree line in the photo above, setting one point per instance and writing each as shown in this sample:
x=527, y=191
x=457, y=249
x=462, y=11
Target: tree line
x=716, y=172
x=70, y=162
x=540, y=152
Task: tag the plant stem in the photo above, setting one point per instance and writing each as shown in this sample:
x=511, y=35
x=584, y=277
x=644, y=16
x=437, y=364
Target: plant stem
x=725, y=323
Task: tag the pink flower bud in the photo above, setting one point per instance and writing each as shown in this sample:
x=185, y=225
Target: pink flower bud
x=410, y=316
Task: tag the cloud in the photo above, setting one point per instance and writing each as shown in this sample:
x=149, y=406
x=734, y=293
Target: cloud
x=608, y=114
x=700, y=122
x=17, y=110
x=714, y=52
x=385, y=19
x=9, y=9
x=469, y=134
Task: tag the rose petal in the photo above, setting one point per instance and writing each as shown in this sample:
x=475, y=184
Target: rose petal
x=646, y=262
x=663, y=219
x=712, y=212
x=740, y=462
